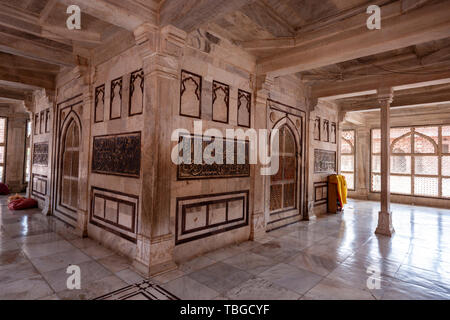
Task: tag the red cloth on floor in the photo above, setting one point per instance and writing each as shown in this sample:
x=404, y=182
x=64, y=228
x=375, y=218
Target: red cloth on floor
x=21, y=204
x=4, y=189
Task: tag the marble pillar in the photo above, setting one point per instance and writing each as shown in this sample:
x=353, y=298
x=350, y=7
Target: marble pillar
x=362, y=167
x=161, y=50
x=258, y=218
x=385, y=96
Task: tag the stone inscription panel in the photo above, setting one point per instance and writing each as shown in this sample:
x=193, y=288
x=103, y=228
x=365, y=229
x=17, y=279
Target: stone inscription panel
x=117, y=154
x=324, y=161
x=209, y=167
x=40, y=153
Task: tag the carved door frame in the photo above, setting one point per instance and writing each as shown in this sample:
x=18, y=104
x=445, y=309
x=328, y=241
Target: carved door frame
x=66, y=113
x=295, y=120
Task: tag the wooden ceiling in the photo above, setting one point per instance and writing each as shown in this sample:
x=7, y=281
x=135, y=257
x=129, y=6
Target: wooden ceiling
x=325, y=43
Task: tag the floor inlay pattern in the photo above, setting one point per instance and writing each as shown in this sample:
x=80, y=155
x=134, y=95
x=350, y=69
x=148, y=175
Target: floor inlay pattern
x=144, y=290
x=326, y=258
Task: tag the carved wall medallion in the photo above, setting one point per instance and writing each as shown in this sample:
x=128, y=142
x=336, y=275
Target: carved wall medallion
x=324, y=161
x=244, y=108
x=117, y=154
x=40, y=153
x=190, y=94
x=317, y=129
x=115, y=107
x=238, y=168
x=99, y=103
x=136, y=93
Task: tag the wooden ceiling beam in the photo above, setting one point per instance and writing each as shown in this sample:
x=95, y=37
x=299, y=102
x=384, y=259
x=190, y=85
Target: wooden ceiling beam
x=37, y=79
x=17, y=62
x=126, y=14
x=417, y=26
x=30, y=49
x=369, y=84
x=188, y=15
x=401, y=99
x=325, y=29
x=11, y=94
x=47, y=10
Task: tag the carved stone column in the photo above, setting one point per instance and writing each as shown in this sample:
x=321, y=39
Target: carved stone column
x=385, y=96
x=160, y=50
x=311, y=104
x=29, y=106
x=83, y=71
x=258, y=217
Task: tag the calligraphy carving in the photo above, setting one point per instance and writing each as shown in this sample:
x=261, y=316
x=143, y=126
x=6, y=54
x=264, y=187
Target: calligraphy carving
x=324, y=161
x=117, y=154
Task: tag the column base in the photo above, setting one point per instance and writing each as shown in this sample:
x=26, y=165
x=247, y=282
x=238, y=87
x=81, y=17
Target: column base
x=258, y=227
x=154, y=256
x=385, y=227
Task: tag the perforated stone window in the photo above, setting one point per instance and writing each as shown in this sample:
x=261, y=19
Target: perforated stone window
x=420, y=161
x=348, y=159
x=283, y=184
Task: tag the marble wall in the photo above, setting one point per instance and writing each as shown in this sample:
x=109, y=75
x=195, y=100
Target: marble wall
x=324, y=133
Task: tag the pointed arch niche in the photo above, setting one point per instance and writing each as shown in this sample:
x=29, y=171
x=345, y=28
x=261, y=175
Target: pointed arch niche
x=285, y=189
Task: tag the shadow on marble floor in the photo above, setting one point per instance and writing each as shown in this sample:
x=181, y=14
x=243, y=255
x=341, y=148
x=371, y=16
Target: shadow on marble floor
x=323, y=259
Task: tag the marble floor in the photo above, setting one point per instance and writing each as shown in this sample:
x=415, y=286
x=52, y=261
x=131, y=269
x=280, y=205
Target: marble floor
x=334, y=257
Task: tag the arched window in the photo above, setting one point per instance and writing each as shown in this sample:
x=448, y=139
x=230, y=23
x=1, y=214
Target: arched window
x=418, y=163
x=69, y=168
x=283, y=184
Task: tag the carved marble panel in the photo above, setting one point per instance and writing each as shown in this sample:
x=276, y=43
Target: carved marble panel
x=42, y=121
x=204, y=215
x=47, y=120
x=99, y=103
x=325, y=133
x=333, y=132
x=115, y=212
x=317, y=129
x=117, y=154
x=190, y=94
x=324, y=161
x=38, y=185
x=244, y=108
x=136, y=104
x=320, y=193
x=237, y=164
x=115, y=107
x=40, y=153
x=220, y=102
x=36, y=124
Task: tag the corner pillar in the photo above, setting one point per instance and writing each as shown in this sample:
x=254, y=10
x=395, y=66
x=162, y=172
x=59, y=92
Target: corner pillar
x=161, y=50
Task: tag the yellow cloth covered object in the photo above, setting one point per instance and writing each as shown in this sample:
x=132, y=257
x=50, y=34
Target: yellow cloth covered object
x=341, y=183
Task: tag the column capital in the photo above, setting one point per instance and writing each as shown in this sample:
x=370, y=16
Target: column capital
x=385, y=96
x=341, y=116
x=168, y=40
x=264, y=84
